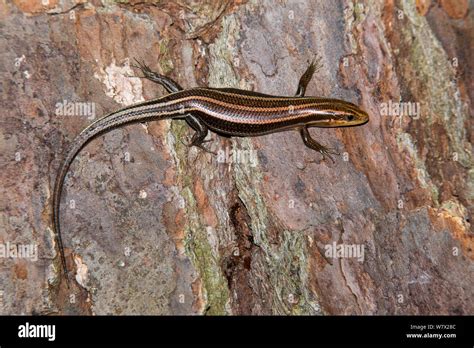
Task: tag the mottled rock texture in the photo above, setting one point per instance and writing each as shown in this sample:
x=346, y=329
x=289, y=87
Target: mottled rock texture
x=153, y=227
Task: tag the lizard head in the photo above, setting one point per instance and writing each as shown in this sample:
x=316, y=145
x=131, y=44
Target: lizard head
x=339, y=113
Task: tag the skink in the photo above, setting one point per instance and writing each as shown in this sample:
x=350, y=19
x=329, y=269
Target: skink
x=225, y=111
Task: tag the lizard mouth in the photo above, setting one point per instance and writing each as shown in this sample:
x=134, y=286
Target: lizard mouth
x=340, y=123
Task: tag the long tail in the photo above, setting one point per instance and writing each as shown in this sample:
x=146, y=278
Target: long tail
x=157, y=109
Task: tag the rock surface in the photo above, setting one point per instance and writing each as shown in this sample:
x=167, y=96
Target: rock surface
x=153, y=227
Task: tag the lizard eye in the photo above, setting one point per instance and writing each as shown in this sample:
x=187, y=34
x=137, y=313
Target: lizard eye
x=350, y=118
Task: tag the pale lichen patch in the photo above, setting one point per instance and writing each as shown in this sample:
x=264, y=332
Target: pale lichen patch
x=82, y=269
x=405, y=142
x=119, y=83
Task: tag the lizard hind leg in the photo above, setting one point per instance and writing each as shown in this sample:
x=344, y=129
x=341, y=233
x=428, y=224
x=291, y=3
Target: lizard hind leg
x=170, y=85
x=200, y=134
